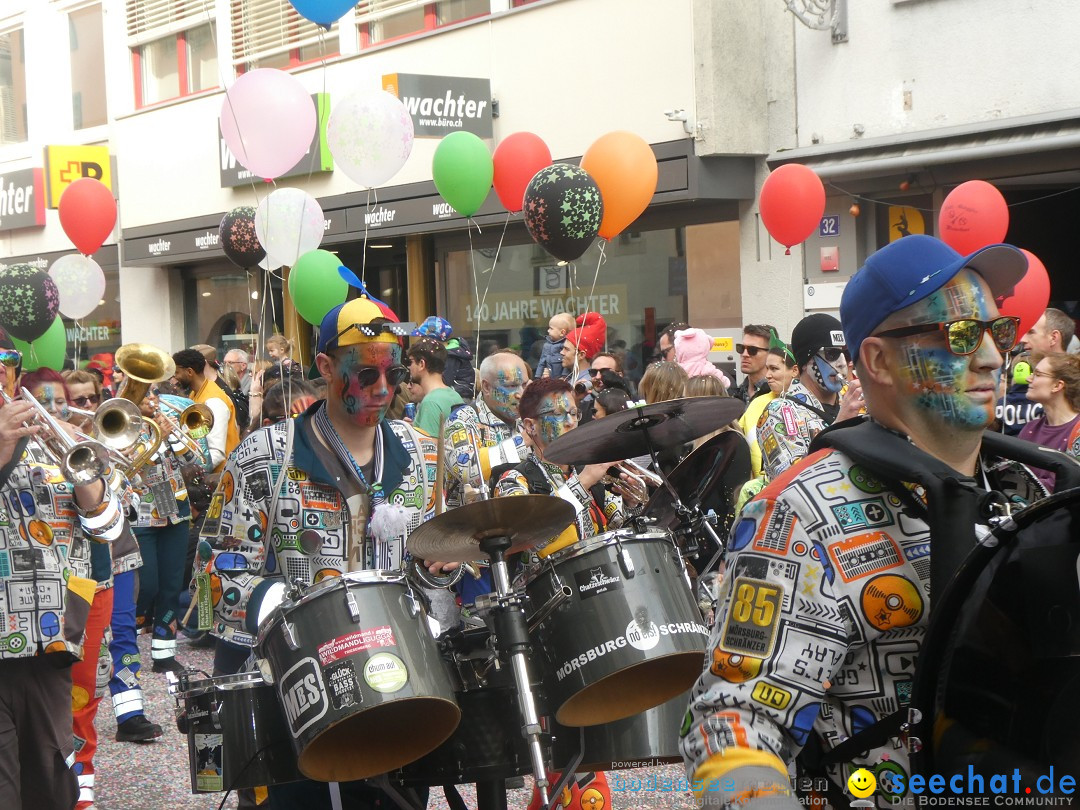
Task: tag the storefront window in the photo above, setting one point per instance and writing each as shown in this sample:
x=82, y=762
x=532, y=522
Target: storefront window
x=98, y=332
x=87, y=68
x=640, y=289
x=229, y=308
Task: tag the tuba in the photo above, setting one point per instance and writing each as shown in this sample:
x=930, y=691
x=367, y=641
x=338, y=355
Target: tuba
x=143, y=365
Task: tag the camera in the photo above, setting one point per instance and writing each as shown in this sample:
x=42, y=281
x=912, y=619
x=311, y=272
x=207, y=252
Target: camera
x=582, y=387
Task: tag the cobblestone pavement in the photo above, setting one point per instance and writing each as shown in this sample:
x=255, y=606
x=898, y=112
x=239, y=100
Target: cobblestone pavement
x=154, y=776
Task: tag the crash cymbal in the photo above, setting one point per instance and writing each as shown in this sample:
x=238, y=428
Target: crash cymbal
x=623, y=434
x=454, y=536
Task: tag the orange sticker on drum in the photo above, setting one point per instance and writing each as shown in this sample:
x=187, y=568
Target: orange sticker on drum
x=890, y=601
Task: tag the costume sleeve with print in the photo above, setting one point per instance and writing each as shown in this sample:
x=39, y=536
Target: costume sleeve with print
x=784, y=433
x=779, y=635
x=234, y=535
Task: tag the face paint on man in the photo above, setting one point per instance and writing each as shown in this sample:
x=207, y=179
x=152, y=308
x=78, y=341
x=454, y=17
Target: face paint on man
x=959, y=389
x=364, y=406
x=506, y=392
x=553, y=417
x=830, y=376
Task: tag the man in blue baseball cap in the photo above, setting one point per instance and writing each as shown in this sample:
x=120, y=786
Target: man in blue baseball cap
x=835, y=554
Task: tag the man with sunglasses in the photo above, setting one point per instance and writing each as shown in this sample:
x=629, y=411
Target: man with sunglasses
x=826, y=600
x=812, y=401
x=336, y=489
x=191, y=378
x=753, y=352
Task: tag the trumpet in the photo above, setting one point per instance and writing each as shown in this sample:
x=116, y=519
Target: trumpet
x=81, y=462
x=194, y=419
x=637, y=488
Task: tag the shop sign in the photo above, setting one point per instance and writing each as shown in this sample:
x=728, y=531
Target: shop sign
x=316, y=159
x=525, y=307
x=410, y=212
x=22, y=199
x=66, y=164
x=440, y=105
x=204, y=240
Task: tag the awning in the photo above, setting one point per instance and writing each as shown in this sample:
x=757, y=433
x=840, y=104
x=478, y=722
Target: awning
x=953, y=151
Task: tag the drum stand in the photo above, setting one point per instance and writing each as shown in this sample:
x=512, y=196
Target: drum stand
x=512, y=643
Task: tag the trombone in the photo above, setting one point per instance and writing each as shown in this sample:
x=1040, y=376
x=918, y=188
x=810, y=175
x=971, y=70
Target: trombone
x=81, y=462
x=194, y=419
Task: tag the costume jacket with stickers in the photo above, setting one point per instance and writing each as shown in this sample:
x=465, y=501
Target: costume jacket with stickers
x=252, y=536
x=45, y=561
x=476, y=427
x=820, y=617
x=786, y=428
x=163, y=497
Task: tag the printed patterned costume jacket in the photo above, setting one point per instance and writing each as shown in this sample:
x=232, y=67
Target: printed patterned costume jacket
x=45, y=561
x=821, y=613
x=310, y=526
x=570, y=489
x=470, y=425
x=161, y=489
x=787, y=427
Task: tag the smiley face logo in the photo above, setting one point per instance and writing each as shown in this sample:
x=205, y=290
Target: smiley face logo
x=861, y=783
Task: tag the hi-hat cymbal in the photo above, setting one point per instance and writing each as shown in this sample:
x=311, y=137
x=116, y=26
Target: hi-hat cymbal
x=623, y=434
x=455, y=536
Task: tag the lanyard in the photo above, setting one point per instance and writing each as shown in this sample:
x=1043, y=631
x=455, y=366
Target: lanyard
x=326, y=428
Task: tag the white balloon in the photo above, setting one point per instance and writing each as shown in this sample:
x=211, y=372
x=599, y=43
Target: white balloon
x=370, y=135
x=289, y=222
x=81, y=283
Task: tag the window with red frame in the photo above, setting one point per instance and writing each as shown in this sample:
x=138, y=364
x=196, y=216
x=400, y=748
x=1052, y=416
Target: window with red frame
x=172, y=48
x=385, y=20
x=271, y=34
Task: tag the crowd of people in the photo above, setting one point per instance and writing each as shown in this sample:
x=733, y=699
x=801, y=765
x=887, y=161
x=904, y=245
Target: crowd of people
x=915, y=357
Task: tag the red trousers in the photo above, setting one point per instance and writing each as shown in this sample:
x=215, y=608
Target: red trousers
x=85, y=695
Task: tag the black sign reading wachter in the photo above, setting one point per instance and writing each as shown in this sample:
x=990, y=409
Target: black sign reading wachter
x=440, y=105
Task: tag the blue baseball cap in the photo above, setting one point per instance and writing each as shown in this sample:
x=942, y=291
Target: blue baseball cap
x=434, y=327
x=910, y=269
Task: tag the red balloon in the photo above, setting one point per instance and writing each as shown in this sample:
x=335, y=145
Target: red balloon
x=517, y=160
x=1028, y=301
x=87, y=213
x=791, y=202
x=973, y=216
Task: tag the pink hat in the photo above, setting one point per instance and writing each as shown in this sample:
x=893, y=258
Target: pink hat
x=692, y=348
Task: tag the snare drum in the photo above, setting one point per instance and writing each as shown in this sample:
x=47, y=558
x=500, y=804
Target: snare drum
x=629, y=637
x=359, y=675
x=237, y=736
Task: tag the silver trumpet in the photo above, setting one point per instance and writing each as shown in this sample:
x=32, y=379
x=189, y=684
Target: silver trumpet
x=80, y=462
x=637, y=488
x=118, y=426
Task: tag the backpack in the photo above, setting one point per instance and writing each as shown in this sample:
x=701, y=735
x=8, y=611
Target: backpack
x=459, y=373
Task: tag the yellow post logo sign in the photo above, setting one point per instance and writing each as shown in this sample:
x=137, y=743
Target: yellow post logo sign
x=722, y=344
x=66, y=164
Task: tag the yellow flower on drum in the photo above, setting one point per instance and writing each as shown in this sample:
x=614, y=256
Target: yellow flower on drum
x=890, y=601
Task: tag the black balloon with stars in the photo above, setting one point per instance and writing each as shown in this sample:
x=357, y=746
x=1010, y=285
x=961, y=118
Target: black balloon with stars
x=238, y=238
x=29, y=301
x=563, y=210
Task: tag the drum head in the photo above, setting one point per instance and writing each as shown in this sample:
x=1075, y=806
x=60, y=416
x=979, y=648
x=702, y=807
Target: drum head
x=999, y=673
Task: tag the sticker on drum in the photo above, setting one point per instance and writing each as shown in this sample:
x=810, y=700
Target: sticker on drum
x=385, y=672
x=208, y=774
x=344, y=687
x=303, y=695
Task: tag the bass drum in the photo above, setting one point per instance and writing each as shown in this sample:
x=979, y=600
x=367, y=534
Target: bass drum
x=998, y=678
x=645, y=740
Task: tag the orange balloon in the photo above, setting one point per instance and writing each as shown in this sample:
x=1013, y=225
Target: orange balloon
x=624, y=167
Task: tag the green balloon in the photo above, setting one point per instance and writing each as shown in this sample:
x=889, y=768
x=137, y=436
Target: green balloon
x=315, y=285
x=48, y=351
x=462, y=170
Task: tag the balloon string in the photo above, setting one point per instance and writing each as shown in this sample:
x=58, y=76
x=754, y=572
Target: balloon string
x=476, y=298
x=482, y=302
x=363, y=254
x=592, y=292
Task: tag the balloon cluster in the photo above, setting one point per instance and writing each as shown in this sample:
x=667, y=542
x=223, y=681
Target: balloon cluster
x=564, y=207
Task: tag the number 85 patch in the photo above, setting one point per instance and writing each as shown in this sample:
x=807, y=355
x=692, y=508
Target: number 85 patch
x=753, y=617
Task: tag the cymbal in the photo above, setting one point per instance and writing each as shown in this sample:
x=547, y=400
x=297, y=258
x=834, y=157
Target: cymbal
x=454, y=536
x=626, y=434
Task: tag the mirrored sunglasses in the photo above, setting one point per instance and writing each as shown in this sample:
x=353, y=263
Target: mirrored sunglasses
x=10, y=357
x=964, y=336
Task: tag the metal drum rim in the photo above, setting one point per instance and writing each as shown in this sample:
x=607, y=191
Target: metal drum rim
x=224, y=683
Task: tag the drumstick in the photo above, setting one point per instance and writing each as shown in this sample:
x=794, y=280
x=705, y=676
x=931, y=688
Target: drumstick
x=190, y=607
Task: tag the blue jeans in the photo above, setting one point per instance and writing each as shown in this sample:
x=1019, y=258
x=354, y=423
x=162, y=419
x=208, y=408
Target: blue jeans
x=161, y=578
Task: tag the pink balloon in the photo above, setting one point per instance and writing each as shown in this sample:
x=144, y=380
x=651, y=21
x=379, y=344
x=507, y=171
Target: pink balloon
x=268, y=121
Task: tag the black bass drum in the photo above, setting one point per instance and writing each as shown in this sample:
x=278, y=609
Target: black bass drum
x=998, y=678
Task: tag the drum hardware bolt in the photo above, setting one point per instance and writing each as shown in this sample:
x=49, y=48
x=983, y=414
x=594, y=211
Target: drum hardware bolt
x=215, y=716
x=625, y=563
x=914, y=745
x=914, y=716
x=289, y=633
x=354, y=609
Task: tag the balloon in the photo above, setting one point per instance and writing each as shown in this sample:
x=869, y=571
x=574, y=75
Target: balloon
x=462, y=170
x=289, y=223
x=973, y=216
x=323, y=12
x=238, y=238
x=29, y=301
x=268, y=121
x=87, y=213
x=370, y=135
x=516, y=160
x=624, y=167
x=792, y=202
x=1028, y=301
x=563, y=210
x=80, y=283
x=48, y=351
x=315, y=285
